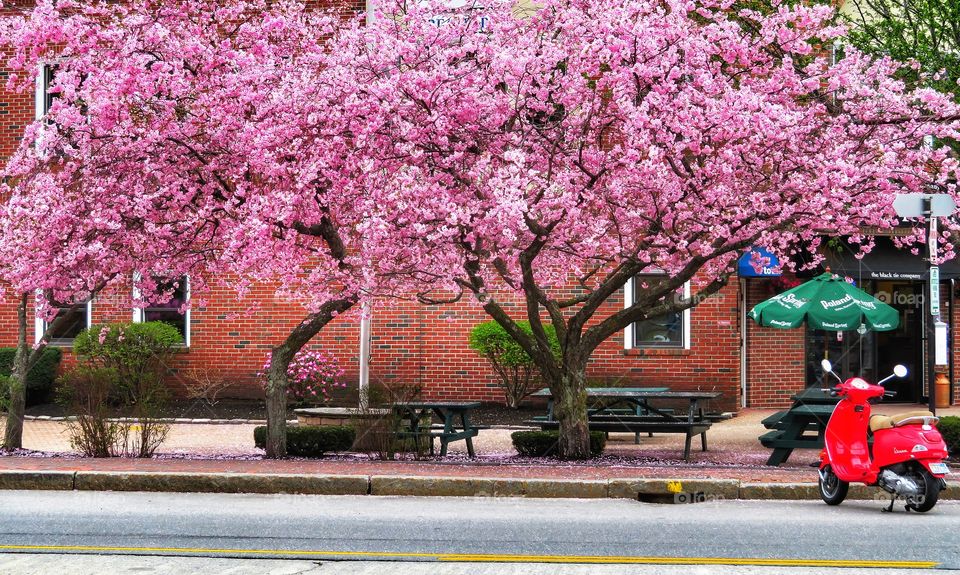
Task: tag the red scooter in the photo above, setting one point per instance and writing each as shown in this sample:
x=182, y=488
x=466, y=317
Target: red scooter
x=907, y=455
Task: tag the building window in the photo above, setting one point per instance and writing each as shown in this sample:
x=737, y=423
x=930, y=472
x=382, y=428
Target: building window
x=45, y=95
x=65, y=333
x=169, y=311
x=670, y=330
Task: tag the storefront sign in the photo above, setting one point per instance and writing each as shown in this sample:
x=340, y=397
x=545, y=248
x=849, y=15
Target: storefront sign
x=896, y=275
x=768, y=268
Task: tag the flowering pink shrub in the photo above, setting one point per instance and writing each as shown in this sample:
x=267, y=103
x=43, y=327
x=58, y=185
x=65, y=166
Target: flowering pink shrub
x=311, y=377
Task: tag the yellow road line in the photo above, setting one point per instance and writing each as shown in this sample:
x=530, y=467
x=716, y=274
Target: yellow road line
x=741, y=561
x=493, y=558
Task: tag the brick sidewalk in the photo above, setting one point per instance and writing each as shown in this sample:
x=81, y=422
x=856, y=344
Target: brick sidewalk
x=734, y=453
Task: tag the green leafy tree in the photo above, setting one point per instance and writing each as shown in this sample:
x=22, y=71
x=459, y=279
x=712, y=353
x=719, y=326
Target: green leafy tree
x=927, y=31
x=514, y=366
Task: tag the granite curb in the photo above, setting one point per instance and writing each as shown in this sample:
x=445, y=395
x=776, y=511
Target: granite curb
x=678, y=490
x=169, y=420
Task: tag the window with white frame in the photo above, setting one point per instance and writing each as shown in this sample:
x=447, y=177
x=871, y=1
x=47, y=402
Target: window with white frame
x=670, y=330
x=45, y=95
x=172, y=310
x=66, y=331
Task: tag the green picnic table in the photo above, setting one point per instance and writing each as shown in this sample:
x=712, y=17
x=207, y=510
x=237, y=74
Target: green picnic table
x=623, y=396
x=645, y=418
x=800, y=427
x=413, y=414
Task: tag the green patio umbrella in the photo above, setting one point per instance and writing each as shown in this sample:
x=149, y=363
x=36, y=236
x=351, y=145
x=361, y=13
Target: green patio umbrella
x=826, y=302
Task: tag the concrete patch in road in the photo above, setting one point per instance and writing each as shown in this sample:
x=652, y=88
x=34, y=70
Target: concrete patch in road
x=222, y=483
x=550, y=488
x=445, y=486
x=45, y=480
x=486, y=487
x=779, y=491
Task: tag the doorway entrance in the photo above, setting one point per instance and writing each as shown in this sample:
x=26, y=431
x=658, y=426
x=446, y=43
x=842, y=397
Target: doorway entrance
x=872, y=355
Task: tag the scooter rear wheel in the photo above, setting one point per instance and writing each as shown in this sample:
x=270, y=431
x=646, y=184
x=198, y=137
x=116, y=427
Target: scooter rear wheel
x=930, y=486
x=832, y=489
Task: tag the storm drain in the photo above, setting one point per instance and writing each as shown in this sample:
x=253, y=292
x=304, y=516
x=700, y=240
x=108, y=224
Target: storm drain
x=673, y=498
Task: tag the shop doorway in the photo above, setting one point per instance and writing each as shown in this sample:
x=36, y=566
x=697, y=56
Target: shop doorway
x=872, y=355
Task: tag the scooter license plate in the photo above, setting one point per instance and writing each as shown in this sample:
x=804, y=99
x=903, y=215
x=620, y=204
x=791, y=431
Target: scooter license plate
x=939, y=468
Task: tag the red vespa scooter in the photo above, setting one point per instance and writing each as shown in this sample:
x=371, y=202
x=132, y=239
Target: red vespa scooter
x=907, y=454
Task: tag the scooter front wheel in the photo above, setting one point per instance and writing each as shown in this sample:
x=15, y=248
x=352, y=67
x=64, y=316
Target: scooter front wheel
x=832, y=489
x=929, y=492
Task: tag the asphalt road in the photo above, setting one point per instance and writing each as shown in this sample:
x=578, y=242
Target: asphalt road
x=315, y=529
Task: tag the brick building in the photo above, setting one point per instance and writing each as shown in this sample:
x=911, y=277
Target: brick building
x=711, y=347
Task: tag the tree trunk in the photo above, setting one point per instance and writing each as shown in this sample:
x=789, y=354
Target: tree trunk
x=13, y=434
x=280, y=359
x=570, y=409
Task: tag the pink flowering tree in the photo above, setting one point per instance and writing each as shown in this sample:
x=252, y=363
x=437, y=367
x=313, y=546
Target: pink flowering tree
x=312, y=376
x=207, y=138
x=594, y=142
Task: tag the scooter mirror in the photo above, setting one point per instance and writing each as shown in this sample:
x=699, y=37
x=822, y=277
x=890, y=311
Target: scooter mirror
x=826, y=365
x=899, y=370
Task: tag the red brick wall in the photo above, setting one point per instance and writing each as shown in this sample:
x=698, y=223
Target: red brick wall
x=775, y=357
x=426, y=346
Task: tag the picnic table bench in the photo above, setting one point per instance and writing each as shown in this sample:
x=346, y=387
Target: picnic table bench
x=629, y=405
x=800, y=427
x=644, y=417
x=416, y=422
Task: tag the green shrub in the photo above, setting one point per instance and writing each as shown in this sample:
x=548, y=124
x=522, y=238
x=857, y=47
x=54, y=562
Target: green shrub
x=40, y=378
x=133, y=349
x=85, y=393
x=544, y=443
x=311, y=440
x=950, y=430
x=513, y=366
x=490, y=339
x=139, y=355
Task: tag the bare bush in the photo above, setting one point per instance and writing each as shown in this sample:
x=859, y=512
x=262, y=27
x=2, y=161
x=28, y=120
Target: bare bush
x=204, y=386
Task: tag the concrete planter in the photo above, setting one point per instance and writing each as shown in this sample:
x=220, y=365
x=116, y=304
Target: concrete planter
x=337, y=415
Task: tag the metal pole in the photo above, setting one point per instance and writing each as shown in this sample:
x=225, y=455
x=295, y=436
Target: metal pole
x=364, y=386
x=932, y=307
x=950, y=340
x=365, y=309
x=743, y=342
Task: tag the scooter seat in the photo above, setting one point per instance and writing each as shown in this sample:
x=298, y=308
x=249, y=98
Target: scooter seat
x=878, y=422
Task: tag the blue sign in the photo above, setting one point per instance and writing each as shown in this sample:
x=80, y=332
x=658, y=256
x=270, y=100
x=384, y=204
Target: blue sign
x=746, y=269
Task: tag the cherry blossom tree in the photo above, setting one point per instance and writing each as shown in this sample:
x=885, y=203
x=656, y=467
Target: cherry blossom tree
x=206, y=138
x=594, y=142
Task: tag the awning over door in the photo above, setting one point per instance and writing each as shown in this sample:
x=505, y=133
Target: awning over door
x=884, y=262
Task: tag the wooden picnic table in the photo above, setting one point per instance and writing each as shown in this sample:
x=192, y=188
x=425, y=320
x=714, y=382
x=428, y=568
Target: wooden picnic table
x=800, y=427
x=651, y=419
x=412, y=415
x=620, y=396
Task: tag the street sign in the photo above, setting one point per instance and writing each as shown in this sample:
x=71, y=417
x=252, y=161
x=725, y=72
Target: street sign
x=934, y=291
x=911, y=205
x=932, y=240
